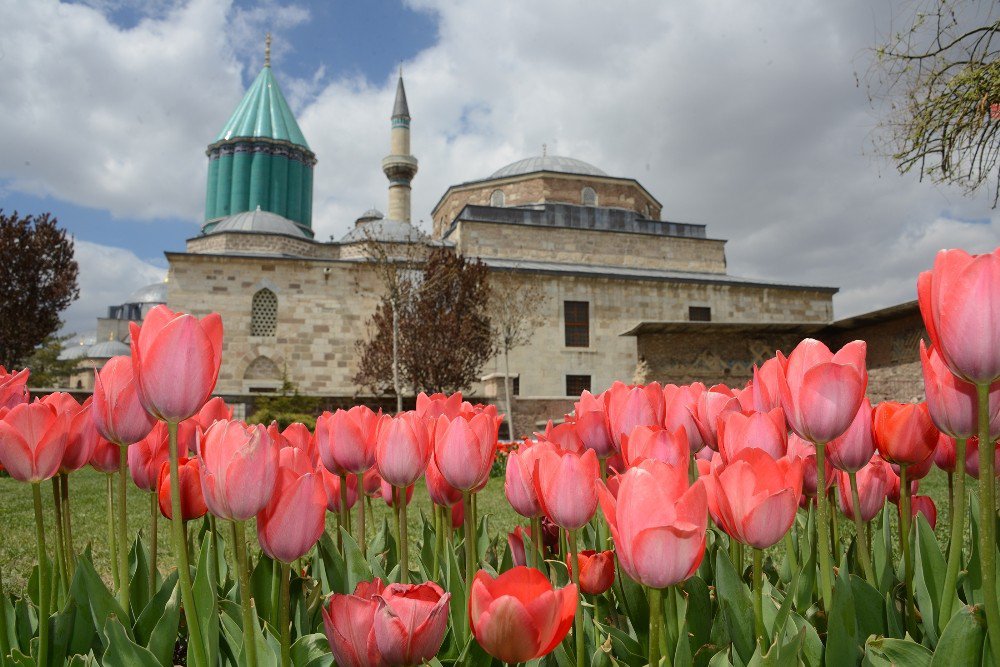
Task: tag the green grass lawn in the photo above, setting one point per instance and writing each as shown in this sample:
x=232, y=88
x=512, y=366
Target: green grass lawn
x=89, y=517
x=88, y=499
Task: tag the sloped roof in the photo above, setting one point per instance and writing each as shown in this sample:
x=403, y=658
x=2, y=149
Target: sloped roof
x=264, y=114
x=261, y=222
x=566, y=165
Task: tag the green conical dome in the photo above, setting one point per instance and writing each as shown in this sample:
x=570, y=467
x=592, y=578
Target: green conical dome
x=264, y=113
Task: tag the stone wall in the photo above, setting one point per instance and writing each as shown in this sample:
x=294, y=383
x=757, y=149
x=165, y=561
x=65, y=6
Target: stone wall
x=547, y=187
x=264, y=244
x=584, y=246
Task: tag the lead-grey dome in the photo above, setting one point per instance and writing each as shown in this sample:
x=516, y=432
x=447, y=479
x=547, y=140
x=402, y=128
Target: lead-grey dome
x=107, y=349
x=565, y=165
x=153, y=293
x=371, y=214
x=260, y=222
x=390, y=231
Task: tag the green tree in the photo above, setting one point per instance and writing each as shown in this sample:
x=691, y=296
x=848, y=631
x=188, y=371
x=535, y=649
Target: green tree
x=47, y=369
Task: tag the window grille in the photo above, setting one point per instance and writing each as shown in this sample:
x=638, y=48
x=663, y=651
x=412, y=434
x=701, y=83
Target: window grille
x=497, y=199
x=577, y=384
x=264, y=313
x=588, y=196
x=577, y=318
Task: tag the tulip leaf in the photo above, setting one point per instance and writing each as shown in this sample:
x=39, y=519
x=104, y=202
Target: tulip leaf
x=929, y=575
x=427, y=540
x=807, y=582
x=737, y=607
x=311, y=651
x=204, y=600
x=138, y=584
x=882, y=544
x=882, y=652
x=961, y=643
x=868, y=608
x=632, y=597
x=332, y=573
x=721, y=659
x=455, y=584
x=893, y=618
x=483, y=537
x=150, y=615
x=698, y=617
x=972, y=584
x=624, y=646
x=10, y=627
x=122, y=651
x=164, y=633
x=90, y=593
x=842, y=639
x=358, y=569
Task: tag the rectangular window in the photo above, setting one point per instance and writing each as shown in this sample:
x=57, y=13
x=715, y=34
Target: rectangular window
x=577, y=317
x=699, y=314
x=577, y=384
x=515, y=386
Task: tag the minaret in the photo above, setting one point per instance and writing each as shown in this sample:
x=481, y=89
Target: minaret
x=399, y=166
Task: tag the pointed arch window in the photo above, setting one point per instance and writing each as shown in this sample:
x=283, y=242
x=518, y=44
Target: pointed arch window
x=264, y=313
x=497, y=199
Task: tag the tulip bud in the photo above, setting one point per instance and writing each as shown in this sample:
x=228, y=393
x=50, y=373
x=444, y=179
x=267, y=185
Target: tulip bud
x=192, y=501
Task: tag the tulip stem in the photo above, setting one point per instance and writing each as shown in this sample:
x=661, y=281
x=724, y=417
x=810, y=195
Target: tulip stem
x=574, y=573
x=470, y=558
x=112, y=536
x=249, y=631
x=538, y=542
x=758, y=599
x=362, y=531
x=68, y=525
x=123, y=592
x=834, y=528
x=43, y=577
x=790, y=552
x=195, y=637
x=344, y=513
x=438, y=547
x=213, y=555
x=951, y=489
x=655, y=607
x=957, y=513
x=283, y=620
x=61, y=566
x=602, y=526
x=275, y=591
x=987, y=520
x=404, y=540
x=904, y=538
x=823, y=529
x=864, y=549
x=154, y=515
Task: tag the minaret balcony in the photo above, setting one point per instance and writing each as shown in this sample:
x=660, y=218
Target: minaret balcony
x=399, y=165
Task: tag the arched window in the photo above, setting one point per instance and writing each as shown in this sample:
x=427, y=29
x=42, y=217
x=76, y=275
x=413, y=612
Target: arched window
x=264, y=313
x=588, y=196
x=497, y=199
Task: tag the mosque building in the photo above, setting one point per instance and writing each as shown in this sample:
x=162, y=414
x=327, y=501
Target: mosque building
x=621, y=286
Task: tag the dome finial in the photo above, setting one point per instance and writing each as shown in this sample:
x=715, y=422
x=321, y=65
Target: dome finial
x=267, y=50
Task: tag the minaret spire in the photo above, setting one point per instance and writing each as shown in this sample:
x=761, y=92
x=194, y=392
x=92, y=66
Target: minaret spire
x=399, y=166
x=267, y=50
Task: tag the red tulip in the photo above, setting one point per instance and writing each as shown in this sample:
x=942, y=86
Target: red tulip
x=758, y=430
x=349, y=622
x=239, y=465
x=464, y=449
x=215, y=409
x=347, y=438
x=441, y=492
x=916, y=471
x=806, y=452
x=658, y=522
x=766, y=385
x=293, y=520
x=146, y=457
x=904, y=432
x=403, y=448
x=821, y=391
x=519, y=485
x=515, y=541
x=564, y=485
x=372, y=484
x=874, y=482
x=631, y=406
x=105, y=456
x=892, y=495
x=595, y=570
x=331, y=486
x=389, y=493
x=192, y=501
x=591, y=422
x=457, y=515
x=944, y=453
x=81, y=436
x=712, y=406
x=563, y=436
x=754, y=497
x=518, y=617
x=656, y=442
x=176, y=360
x=679, y=405
x=410, y=622
x=299, y=436
x=852, y=450
x=32, y=441
x=960, y=304
x=924, y=505
x=13, y=387
x=436, y=405
x=972, y=458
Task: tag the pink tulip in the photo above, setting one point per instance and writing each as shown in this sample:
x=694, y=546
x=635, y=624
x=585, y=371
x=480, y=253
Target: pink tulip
x=32, y=441
x=657, y=521
x=564, y=485
x=656, y=442
x=874, y=482
x=924, y=505
x=464, y=449
x=952, y=402
x=117, y=411
x=766, y=384
x=457, y=515
x=347, y=438
x=436, y=405
x=81, y=439
x=852, y=450
x=519, y=485
x=960, y=304
x=631, y=406
x=293, y=520
x=806, y=452
x=754, y=497
x=331, y=486
x=390, y=493
x=146, y=457
x=515, y=540
x=563, y=436
x=591, y=421
x=410, y=622
x=192, y=499
x=239, y=465
x=372, y=484
x=349, y=622
x=299, y=436
x=176, y=360
x=441, y=492
x=595, y=570
x=972, y=458
x=13, y=387
x=944, y=453
x=679, y=405
x=403, y=448
x=821, y=391
x=215, y=409
x=105, y=456
x=712, y=406
x=758, y=430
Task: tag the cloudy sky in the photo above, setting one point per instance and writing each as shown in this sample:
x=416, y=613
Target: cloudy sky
x=747, y=117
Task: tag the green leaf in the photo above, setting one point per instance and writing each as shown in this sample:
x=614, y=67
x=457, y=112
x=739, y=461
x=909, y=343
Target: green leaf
x=164, y=634
x=150, y=615
x=122, y=651
x=90, y=593
x=631, y=597
x=928, y=578
x=311, y=651
x=842, y=640
x=332, y=569
x=261, y=580
x=204, y=601
x=882, y=652
x=882, y=552
x=868, y=608
x=961, y=643
x=138, y=584
x=972, y=583
x=358, y=569
x=699, y=612
x=736, y=604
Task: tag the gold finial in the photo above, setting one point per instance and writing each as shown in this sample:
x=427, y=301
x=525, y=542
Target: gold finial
x=111, y=335
x=267, y=50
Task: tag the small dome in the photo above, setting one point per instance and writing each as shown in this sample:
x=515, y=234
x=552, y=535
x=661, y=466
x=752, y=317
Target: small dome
x=107, y=349
x=77, y=351
x=259, y=222
x=369, y=215
x=390, y=231
x=565, y=165
x=154, y=293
